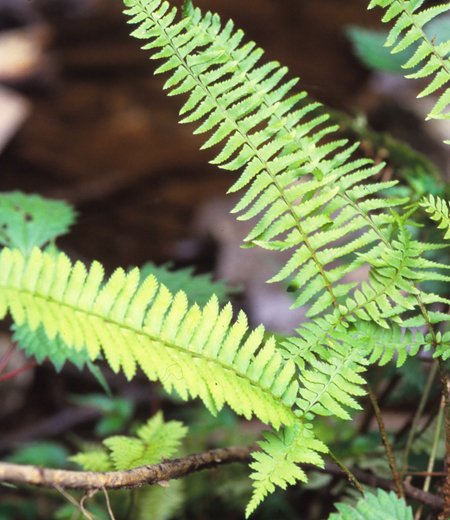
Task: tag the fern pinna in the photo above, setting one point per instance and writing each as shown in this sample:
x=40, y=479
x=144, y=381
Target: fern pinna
x=310, y=196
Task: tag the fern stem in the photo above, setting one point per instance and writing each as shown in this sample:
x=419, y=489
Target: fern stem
x=18, y=371
x=445, y=392
x=426, y=485
x=387, y=445
x=7, y=355
x=349, y=474
x=418, y=415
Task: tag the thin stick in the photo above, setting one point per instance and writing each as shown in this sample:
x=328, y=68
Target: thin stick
x=70, y=498
x=349, y=474
x=419, y=413
x=387, y=446
x=445, y=392
x=108, y=504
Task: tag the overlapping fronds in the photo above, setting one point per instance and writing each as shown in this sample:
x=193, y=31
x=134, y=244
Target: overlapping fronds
x=306, y=192
x=309, y=196
x=197, y=353
x=433, y=58
x=277, y=465
x=154, y=441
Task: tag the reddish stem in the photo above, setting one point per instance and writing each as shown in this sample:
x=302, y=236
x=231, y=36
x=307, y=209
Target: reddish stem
x=14, y=373
x=6, y=357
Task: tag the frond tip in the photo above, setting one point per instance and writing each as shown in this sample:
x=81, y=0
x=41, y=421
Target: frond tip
x=277, y=464
x=197, y=353
x=431, y=55
x=439, y=211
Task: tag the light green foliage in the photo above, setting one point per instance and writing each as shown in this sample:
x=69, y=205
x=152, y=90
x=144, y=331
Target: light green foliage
x=438, y=210
x=192, y=351
x=431, y=55
x=199, y=289
x=28, y=221
x=308, y=196
x=154, y=441
x=93, y=458
x=277, y=465
x=382, y=507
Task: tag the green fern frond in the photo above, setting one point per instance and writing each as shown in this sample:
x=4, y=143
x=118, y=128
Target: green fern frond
x=36, y=343
x=155, y=441
x=277, y=464
x=28, y=221
x=434, y=60
x=197, y=353
x=373, y=507
x=290, y=173
x=439, y=211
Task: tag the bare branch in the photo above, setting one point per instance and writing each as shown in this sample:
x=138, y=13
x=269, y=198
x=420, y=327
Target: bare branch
x=178, y=468
x=132, y=478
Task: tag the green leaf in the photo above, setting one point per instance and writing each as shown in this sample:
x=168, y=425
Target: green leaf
x=382, y=507
x=28, y=221
x=368, y=45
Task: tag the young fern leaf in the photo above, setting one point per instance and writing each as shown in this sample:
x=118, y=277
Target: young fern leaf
x=277, y=465
x=409, y=28
x=154, y=441
x=197, y=353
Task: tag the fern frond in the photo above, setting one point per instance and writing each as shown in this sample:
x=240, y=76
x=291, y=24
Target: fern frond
x=289, y=173
x=277, y=464
x=155, y=441
x=36, y=343
x=197, y=353
x=28, y=221
x=93, y=458
x=438, y=209
x=434, y=60
x=373, y=507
